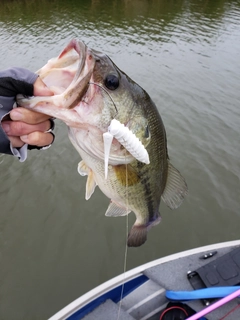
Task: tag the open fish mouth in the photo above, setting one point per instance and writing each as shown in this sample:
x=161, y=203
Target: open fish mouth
x=80, y=76
x=75, y=65
x=72, y=58
x=80, y=83
x=68, y=77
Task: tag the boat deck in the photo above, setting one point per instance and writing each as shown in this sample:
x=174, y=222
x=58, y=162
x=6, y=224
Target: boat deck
x=148, y=301
x=148, y=298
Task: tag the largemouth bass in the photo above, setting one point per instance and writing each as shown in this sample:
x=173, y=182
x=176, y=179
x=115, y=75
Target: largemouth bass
x=133, y=169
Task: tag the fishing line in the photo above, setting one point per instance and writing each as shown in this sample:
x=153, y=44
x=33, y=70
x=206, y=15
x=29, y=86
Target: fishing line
x=98, y=85
x=127, y=227
x=126, y=247
x=232, y=310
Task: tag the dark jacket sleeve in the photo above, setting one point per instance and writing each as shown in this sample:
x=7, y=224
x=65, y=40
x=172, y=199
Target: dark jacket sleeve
x=12, y=82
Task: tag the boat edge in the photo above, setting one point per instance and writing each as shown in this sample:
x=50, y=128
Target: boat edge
x=93, y=294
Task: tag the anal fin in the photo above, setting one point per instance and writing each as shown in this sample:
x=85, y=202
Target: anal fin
x=115, y=210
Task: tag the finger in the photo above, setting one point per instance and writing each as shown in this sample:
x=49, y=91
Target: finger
x=16, y=142
x=39, y=139
x=28, y=116
x=40, y=89
x=19, y=128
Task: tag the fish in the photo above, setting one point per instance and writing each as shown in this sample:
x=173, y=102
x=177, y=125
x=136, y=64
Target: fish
x=118, y=132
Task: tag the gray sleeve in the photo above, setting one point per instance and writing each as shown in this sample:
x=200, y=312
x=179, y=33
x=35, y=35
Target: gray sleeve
x=16, y=80
x=6, y=105
x=12, y=82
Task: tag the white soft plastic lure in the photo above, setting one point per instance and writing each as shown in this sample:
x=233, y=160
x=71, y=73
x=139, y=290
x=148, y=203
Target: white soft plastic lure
x=127, y=139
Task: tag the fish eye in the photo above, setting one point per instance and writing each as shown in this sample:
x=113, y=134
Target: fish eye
x=111, y=82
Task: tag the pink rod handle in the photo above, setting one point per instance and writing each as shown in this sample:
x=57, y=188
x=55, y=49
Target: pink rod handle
x=215, y=305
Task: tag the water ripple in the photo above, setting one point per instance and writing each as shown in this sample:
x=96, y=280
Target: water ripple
x=185, y=53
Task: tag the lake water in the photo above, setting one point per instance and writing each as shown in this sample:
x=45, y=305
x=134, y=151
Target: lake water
x=55, y=245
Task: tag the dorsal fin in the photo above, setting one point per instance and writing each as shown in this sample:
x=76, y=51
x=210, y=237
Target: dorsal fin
x=176, y=188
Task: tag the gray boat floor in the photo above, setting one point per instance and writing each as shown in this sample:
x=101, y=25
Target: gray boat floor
x=150, y=296
x=174, y=277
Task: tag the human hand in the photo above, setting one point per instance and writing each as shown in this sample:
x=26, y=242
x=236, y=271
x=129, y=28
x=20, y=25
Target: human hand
x=28, y=126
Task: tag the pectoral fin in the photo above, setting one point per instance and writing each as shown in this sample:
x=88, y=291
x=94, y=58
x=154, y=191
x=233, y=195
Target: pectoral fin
x=115, y=210
x=84, y=170
x=176, y=188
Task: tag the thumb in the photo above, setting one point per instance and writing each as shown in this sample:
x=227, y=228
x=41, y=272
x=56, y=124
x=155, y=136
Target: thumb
x=40, y=89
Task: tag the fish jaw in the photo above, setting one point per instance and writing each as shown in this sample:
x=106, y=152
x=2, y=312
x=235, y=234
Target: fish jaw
x=61, y=106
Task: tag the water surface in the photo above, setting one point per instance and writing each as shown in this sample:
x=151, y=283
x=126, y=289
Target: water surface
x=54, y=245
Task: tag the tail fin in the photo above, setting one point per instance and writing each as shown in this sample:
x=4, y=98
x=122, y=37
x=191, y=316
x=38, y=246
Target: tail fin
x=137, y=236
